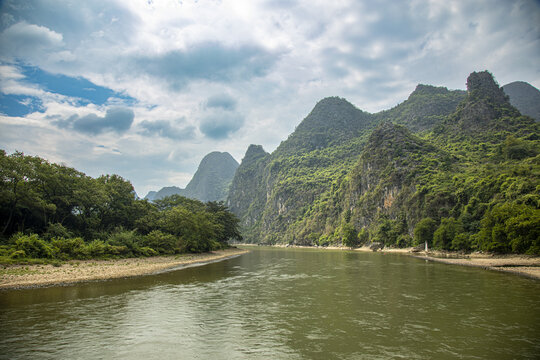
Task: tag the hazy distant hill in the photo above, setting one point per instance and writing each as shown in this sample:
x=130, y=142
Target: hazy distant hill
x=211, y=180
x=525, y=97
x=166, y=191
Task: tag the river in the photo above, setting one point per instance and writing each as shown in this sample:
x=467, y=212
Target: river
x=278, y=303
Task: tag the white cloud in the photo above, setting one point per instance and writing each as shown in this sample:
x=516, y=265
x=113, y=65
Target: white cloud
x=28, y=41
x=274, y=59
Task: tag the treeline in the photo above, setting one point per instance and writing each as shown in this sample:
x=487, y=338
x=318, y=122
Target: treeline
x=56, y=212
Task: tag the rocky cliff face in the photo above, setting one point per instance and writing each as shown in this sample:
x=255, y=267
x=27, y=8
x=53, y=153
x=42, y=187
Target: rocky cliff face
x=392, y=166
x=299, y=189
x=430, y=157
x=247, y=195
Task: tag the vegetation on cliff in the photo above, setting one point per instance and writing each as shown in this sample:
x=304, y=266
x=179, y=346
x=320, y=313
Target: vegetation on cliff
x=459, y=170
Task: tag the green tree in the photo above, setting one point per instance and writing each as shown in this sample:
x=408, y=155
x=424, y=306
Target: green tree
x=446, y=232
x=349, y=235
x=228, y=223
x=423, y=231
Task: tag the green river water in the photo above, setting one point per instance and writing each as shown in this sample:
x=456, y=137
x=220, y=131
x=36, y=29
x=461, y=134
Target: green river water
x=282, y=304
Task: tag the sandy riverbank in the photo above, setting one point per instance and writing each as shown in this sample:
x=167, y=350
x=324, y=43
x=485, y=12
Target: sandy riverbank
x=523, y=265
x=22, y=276
x=518, y=264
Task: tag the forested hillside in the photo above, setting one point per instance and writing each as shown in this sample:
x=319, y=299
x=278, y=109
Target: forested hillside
x=458, y=170
x=56, y=212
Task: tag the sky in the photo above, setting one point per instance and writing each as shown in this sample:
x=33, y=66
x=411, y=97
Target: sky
x=145, y=89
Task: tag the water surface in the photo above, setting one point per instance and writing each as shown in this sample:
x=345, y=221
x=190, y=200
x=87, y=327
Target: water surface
x=282, y=304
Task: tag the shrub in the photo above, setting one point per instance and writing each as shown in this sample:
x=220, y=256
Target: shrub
x=129, y=239
x=18, y=254
x=404, y=241
x=423, y=232
x=33, y=246
x=363, y=236
x=96, y=248
x=161, y=242
x=56, y=230
x=461, y=242
x=68, y=248
x=147, y=251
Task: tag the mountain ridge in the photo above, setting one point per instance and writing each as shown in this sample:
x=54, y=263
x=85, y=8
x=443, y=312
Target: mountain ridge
x=383, y=175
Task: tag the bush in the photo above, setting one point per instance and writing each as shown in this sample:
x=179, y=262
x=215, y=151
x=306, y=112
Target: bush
x=404, y=241
x=18, y=254
x=128, y=239
x=461, y=242
x=32, y=246
x=95, y=249
x=363, y=236
x=147, y=251
x=161, y=242
x=68, y=248
x=56, y=230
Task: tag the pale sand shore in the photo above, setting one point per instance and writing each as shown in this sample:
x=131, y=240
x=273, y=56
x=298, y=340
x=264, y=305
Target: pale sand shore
x=25, y=276
x=523, y=265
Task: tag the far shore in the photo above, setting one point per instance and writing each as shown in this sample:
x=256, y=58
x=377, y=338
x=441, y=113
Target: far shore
x=524, y=265
x=74, y=271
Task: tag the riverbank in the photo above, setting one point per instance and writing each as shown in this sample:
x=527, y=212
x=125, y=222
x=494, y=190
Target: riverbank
x=524, y=265
x=27, y=276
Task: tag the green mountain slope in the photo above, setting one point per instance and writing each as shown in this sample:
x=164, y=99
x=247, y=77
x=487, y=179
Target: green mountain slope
x=425, y=108
x=468, y=178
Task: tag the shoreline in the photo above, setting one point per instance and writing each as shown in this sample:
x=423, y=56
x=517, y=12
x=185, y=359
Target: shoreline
x=14, y=277
x=522, y=265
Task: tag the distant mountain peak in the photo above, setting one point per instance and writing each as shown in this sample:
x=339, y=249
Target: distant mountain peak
x=422, y=89
x=255, y=152
x=525, y=97
x=483, y=85
x=332, y=120
x=210, y=182
x=331, y=100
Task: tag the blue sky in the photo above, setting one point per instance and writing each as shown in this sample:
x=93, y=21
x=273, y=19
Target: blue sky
x=145, y=89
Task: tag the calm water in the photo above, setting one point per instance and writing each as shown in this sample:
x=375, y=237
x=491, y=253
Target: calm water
x=282, y=304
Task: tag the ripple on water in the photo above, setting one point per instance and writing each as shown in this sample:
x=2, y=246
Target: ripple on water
x=283, y=304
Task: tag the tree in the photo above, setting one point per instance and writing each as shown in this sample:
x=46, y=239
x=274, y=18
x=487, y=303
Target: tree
x=446, y=232
x=349, y=235
x=423, y=232
x=229, y=223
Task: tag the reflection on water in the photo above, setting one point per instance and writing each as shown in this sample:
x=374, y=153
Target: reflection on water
x=282, y=304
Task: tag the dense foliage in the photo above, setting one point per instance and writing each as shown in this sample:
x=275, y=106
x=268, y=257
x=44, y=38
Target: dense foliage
x=461, y=171
x=56, y=212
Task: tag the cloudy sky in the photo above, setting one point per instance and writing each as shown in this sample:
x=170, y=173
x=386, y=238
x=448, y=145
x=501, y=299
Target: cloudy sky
x=145, y=89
